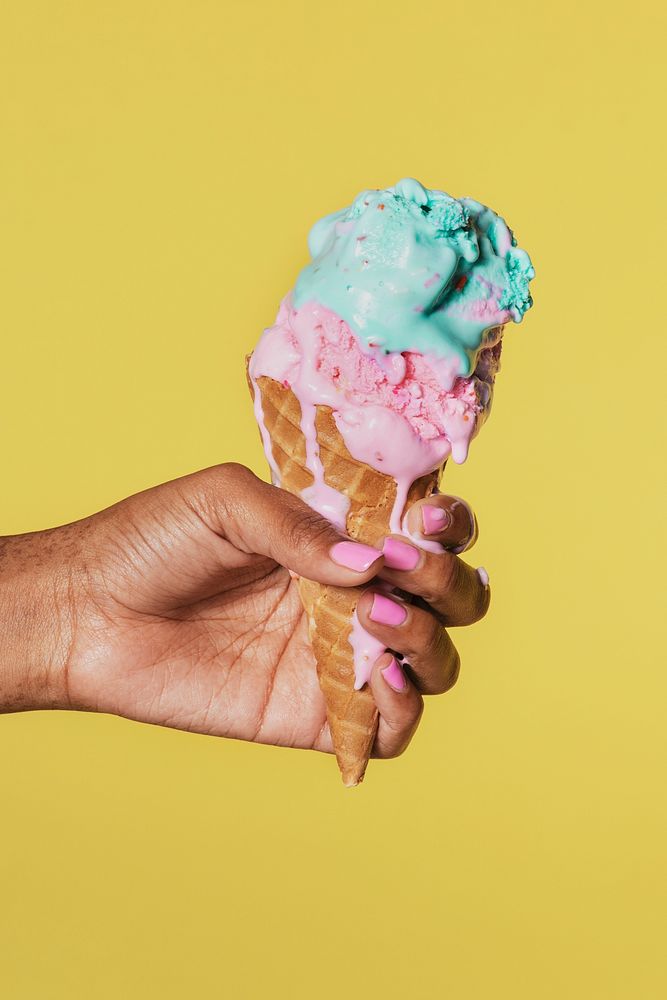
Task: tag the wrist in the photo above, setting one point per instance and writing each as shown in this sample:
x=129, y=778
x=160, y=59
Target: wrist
x=36, y=624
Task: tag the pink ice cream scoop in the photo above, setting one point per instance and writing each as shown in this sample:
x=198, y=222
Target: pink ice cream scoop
x=402, y=413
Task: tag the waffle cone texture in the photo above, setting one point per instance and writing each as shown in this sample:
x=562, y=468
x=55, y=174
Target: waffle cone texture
x=351, y=714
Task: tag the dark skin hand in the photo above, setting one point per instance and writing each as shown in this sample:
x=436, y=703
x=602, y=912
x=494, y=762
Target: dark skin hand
x=177, y=607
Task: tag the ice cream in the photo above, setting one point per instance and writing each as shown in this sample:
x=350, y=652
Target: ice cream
x=411, y=269
x=394, y=331
x=396, y=325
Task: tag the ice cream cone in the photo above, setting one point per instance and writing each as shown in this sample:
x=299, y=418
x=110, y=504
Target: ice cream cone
x=386, y=349
x=352, y=714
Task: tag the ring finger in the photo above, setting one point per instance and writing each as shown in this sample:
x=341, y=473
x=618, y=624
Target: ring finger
x=414, y=633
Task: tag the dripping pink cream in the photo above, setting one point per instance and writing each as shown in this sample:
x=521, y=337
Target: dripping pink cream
x=401, y=414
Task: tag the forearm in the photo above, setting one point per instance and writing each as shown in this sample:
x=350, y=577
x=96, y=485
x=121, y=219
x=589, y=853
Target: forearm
x=36, y=626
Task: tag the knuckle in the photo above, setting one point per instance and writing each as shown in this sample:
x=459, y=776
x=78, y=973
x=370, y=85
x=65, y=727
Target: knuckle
x=466, y=521
x=419, y=711
x=436, y=642
x=452, y=668
x=444, y=577
x=395, y=726
x=481, y=603
x=307, y=531
x=225, y=484
x=402, y=734
x=233, y=474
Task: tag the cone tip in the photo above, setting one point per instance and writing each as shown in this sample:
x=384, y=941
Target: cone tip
x=353, y=776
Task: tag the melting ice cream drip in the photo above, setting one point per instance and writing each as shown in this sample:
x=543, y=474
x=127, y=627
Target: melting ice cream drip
x=366, y=650
x=266, y=437
x=325, y=499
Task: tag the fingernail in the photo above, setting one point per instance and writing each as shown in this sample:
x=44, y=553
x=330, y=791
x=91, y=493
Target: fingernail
x=387, y=612
x=399, y=555
x=434, y=519
x=394, y=676
x=483, y=576
x=354, y=555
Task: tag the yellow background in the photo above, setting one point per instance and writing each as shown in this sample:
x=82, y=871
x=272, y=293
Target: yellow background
x=161, y=165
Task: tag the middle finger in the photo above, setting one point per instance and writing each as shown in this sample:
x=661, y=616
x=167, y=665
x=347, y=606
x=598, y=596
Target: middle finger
x=414, y=633
x=458, y=593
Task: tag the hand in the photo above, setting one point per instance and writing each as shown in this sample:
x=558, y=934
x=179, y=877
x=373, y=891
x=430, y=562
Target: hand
x=177, y=607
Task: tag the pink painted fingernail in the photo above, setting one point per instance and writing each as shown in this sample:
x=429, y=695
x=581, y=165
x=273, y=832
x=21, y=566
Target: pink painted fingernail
x=354, y=555
x=394, y=676
x=399, y=555
x=483, y=576
x=435, y=519
x=387, y=612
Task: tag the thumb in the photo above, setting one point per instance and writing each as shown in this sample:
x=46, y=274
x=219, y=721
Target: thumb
x=263, y=519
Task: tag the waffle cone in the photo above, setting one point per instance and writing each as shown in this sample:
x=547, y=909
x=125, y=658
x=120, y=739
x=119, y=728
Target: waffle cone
x=351, y=714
